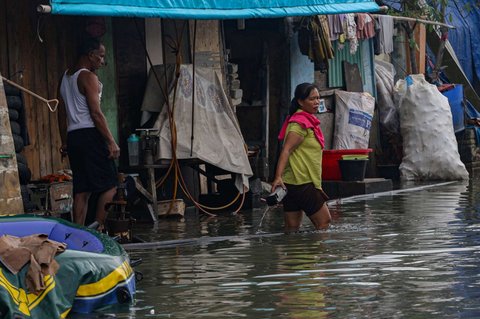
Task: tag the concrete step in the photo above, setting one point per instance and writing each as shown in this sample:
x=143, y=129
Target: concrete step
x=340, y=189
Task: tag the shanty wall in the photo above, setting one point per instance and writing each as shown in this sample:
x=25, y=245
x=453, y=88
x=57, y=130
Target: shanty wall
x=34, y=51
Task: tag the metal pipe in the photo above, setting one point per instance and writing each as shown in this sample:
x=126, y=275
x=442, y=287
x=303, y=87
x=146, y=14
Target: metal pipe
x=43, y=8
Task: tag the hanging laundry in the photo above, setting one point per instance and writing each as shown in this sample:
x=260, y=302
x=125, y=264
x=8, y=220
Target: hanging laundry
x=314, y=41
x=385, y=37
x=321, y=45
x=350, y=27
x=335, y=24
x=365, y=26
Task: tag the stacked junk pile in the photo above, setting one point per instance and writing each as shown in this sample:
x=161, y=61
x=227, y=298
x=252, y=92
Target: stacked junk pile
x=466, y=121
x=16, y=113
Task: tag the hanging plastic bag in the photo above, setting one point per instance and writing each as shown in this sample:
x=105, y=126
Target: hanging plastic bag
x=387, y=109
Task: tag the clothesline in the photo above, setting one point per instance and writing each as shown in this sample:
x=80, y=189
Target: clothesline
x=415, y=20
x=385, y=9
x=356, y=26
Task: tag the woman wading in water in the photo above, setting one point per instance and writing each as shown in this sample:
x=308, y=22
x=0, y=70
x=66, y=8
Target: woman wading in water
x=299, y=167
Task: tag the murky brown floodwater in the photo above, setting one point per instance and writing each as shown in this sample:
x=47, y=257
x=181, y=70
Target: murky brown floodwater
x=412, y=254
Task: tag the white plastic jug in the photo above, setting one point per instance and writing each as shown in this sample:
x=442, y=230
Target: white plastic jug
x=133, y=150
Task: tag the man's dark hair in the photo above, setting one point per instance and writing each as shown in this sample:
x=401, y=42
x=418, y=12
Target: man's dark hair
x=88, y=45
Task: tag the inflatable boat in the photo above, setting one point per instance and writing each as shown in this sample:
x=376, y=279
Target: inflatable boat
x=94, y=272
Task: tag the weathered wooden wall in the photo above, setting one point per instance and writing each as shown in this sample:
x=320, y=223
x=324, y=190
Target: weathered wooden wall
x=35, y=50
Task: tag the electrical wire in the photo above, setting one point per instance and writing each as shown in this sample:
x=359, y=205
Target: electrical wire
x=174, y=163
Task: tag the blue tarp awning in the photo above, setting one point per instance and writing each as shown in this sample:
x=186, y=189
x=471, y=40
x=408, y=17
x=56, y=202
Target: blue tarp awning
x=209, y=9
x=465, y=37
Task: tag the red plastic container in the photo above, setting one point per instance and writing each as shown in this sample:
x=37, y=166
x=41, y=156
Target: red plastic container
x=330, y=167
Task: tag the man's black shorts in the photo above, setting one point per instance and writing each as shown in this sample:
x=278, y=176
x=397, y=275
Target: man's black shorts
x=304, y=197
x=92, y=170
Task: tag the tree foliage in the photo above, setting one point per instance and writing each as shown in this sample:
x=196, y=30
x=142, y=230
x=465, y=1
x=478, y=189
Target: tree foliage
x=434, y=10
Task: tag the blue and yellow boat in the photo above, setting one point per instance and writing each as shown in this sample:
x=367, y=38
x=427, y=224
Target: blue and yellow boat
x=94, y=272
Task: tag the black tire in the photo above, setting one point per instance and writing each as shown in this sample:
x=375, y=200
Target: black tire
x=13, y=114
x=28, y=205
x=21, y=158
x=10, y=90
x=18, y=143
x=15, y=127
x=24, y=173
x=14, y=102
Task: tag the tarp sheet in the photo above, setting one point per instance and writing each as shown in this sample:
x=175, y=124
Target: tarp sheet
x=209, y=9
x=217, y=138
x=465, y=16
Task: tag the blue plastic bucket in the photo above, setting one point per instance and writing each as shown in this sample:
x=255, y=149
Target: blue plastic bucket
x=455, y=99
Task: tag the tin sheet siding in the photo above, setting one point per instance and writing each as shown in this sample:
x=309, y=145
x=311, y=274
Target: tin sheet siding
x=368, y=75
x=335, y=68
x=363, y=57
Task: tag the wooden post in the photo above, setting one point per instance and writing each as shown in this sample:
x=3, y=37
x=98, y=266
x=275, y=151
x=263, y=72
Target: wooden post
x=420, y=39
x=419, y=34
x=10, y=193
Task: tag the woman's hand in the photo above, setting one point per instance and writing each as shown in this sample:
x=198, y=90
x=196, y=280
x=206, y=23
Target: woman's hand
x=276, y=183
x=292, y=141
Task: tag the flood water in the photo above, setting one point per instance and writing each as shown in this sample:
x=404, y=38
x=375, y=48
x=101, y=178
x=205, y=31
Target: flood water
x=404, y=254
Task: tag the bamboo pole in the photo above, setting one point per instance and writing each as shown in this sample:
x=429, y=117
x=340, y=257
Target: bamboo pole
x=400, y=18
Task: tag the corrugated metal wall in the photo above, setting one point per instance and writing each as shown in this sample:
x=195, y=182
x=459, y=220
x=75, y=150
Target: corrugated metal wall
x=368, y=76
x=363, y=57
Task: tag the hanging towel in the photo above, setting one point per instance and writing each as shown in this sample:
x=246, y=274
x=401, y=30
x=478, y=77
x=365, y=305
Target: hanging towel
x=306, y=121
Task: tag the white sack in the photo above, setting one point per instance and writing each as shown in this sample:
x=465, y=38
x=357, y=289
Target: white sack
x=353, y=120
x=217, y=136
x=387, y=109
x=429, y=144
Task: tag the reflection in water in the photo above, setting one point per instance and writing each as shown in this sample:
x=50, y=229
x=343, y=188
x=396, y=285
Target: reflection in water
x=399, y=255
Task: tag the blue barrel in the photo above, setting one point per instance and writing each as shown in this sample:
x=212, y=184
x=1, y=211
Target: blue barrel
x=455, y=99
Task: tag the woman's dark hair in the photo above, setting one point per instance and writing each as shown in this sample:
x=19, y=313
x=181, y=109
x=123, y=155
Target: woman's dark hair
x=302, y=91
x=88, y=45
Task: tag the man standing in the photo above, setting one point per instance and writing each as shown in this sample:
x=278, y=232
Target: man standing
x=85, y=135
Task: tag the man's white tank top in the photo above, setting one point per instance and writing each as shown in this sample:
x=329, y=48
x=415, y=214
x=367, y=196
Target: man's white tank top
x=78, y=113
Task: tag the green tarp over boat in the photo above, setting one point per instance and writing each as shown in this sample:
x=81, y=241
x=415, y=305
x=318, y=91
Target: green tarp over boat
x=94, y=272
